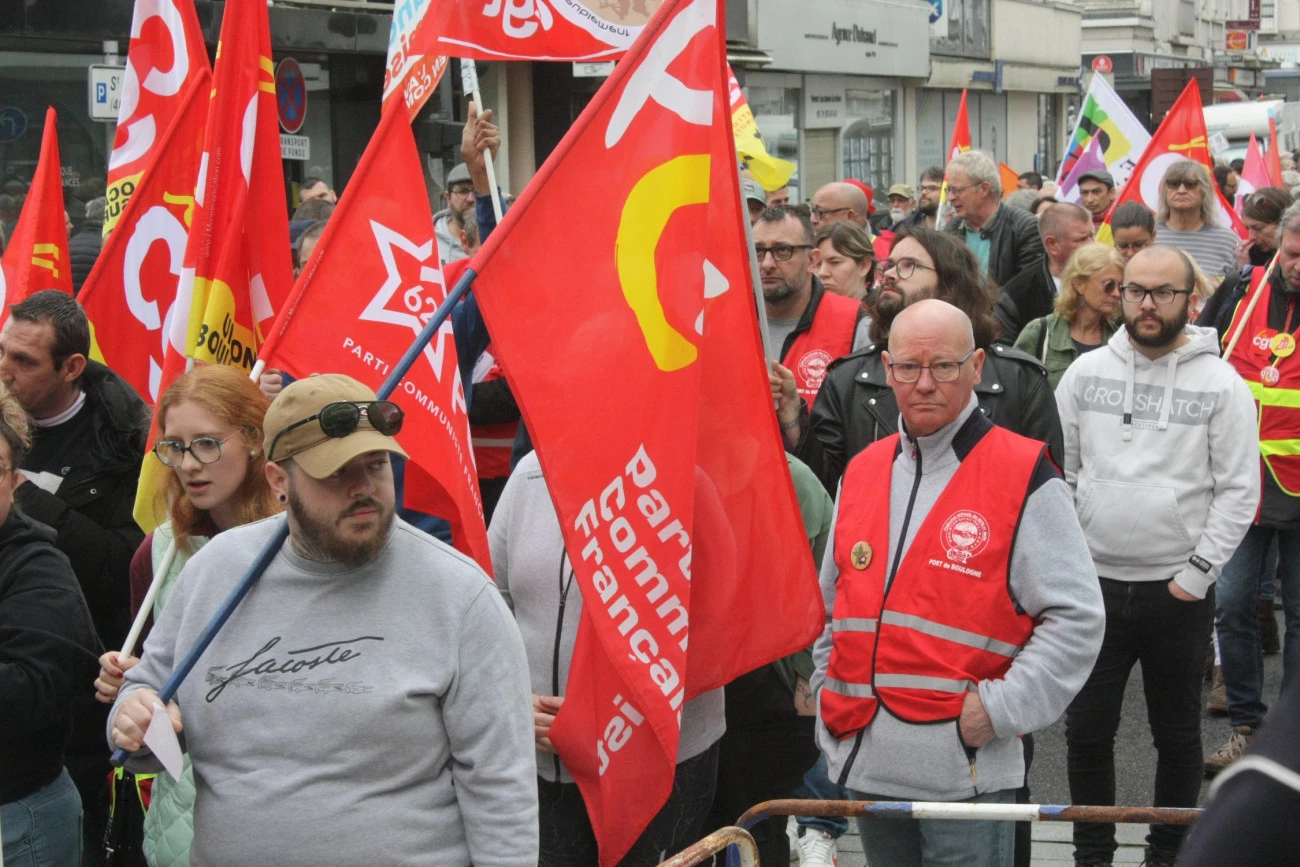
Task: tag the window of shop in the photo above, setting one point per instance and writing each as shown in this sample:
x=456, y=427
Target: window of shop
x=868, y=144
x=775, y=101
x=961, y=29
x=1045, y=160
x=29, y=83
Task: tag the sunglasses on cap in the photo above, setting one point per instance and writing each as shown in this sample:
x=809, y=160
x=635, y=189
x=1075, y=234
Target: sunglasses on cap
x=342, y=418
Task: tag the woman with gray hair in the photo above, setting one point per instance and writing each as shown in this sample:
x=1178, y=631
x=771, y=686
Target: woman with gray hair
x=1188, y=219
x=47, y=644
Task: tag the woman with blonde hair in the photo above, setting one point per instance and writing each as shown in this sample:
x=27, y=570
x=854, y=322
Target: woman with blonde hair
x=47, y=649
x=211, y=423
x=1085, y=314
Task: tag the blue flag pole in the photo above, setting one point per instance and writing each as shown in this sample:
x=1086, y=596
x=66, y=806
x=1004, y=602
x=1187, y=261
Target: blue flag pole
x=272, y=547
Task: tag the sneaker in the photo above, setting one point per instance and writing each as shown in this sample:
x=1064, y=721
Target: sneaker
x=1218, y=701
x=817, y=849
x=1235, y=748
x=1157, y=858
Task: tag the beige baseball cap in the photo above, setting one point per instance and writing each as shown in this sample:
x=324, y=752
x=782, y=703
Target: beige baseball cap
x=318, y=454
x=904, y=190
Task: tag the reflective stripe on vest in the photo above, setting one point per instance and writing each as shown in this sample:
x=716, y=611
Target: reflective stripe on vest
x=1279, y=405
x=829, y=337
x=947, y=620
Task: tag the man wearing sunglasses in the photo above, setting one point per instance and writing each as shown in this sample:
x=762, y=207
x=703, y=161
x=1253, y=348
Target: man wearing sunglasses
x=962, y=611
x=371, y=687
x=1162, y=455
x=1188, y=218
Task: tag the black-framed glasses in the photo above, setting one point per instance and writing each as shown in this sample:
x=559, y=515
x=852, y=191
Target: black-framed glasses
x=343, y=417
x=822, y=213
x=930, y=188
x=1188, y=183
x=905, y=266
x=780, y=252
x=206, y=450
x=908, y=372
x=1135, y=294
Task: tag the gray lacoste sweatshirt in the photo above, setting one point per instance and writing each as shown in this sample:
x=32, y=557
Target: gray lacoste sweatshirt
x=350, y=716
x=526, y=551
x=1052, y=579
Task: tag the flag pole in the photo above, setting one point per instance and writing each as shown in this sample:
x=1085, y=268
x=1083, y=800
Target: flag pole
x=272, y=547
x=469, y=83
x=755, y=278
x=1250, y=309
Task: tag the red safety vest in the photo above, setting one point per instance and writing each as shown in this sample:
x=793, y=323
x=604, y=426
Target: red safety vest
x=947, y=620
x=492, y=443
x=1278, y=403
x=829, y=337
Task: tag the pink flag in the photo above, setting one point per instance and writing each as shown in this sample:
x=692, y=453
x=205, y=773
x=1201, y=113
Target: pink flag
x=1254, y=174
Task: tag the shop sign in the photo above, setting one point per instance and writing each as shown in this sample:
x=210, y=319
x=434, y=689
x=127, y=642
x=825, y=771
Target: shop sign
x=858, y=37
x=295, y=147
x=823, y=104
x=105, y=91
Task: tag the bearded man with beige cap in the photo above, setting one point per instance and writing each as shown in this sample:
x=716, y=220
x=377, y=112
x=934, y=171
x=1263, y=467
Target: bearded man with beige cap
x=369, y=699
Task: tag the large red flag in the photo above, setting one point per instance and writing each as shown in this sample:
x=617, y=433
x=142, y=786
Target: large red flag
x=36, y=256
x=1273, y=159
x=410, y=75
x=1181, y=136
x=130, y=293
x=532, y=29
x=165, y=54
x=236, y=270
x=640, y=374
x=364, y=295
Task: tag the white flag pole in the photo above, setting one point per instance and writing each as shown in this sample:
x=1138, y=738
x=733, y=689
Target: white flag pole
x=469, y=81
x=146, y=606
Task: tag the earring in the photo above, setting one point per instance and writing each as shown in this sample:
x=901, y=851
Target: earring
x=283, y=499
x=255, y=453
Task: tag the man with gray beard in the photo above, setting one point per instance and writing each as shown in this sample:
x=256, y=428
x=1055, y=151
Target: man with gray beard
x=371, y=686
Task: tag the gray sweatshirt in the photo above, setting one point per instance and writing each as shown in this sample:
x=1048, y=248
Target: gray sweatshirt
x=1051, y=579
x=531, y=570
x=1162, y=458
x=350, y=715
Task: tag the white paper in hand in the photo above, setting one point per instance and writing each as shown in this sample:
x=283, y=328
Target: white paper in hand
x=161, y=741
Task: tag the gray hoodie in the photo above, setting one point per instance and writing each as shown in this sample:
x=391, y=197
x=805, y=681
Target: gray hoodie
x=1051, y=579
x=532, y=572
x=1162, y=458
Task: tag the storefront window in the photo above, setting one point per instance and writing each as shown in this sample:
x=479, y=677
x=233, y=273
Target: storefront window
x=868, y=146
x=776, y=111
x=29, y=83
x=1047, y=156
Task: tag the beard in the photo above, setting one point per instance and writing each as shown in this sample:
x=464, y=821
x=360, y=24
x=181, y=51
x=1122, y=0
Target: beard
x=778, y=293
x=319, y=539
x=928, y=209
x=888, y=304
x=1167, y=334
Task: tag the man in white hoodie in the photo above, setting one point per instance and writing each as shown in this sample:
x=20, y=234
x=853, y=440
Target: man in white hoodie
x=1161, y=451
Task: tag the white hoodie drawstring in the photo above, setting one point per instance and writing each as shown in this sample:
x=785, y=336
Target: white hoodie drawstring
x=1169, y=390
x=1128, y=398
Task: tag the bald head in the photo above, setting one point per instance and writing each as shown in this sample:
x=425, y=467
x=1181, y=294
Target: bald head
x=1164, y=261
x=931, y=318
x=933, y=365
x=836, y=202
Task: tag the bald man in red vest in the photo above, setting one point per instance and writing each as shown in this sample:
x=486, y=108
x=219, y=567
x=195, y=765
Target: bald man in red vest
x=962, y=606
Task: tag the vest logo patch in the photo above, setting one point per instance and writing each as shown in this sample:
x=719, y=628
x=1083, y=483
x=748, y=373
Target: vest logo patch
x=812, y=366
x=964, y=535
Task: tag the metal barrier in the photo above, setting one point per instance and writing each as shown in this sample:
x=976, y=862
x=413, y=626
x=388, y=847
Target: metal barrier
x=724, y=839
x=718, y=841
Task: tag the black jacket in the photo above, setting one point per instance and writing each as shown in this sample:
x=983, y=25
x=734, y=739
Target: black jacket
x=47, y=655
x=1027, y=296
x=855, y=407
x=83, y=250
x=1014, y=244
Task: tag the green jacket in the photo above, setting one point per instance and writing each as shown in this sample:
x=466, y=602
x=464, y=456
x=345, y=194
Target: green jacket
x=816, y=508
x=1058, y=351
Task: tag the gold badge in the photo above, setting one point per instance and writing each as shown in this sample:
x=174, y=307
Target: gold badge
x=861, y=555
x=1283, y=345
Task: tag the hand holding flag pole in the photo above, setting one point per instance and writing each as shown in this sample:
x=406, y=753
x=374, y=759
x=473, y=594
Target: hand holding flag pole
x=469, y=81
x=272, y=547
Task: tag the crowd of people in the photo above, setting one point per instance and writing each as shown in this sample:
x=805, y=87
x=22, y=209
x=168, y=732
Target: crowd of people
x=1025, y=462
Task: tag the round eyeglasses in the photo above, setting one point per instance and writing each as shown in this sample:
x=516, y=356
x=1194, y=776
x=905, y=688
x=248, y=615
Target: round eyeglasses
x=206, y=450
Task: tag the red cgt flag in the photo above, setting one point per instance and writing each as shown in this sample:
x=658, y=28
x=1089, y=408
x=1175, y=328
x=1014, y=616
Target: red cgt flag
x=130, y=293
x=165, y=54
x=655, y=431
x=1181, y=136
x=36, y=257
x=532, y=29
x=368, y=289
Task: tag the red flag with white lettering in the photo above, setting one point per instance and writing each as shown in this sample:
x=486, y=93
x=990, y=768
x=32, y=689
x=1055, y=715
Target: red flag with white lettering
x=165, y=54
x=36, y=257
x=564, y=30
x=130, y=293
x=366, y=292
x=655, y=429
x=409, y=75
